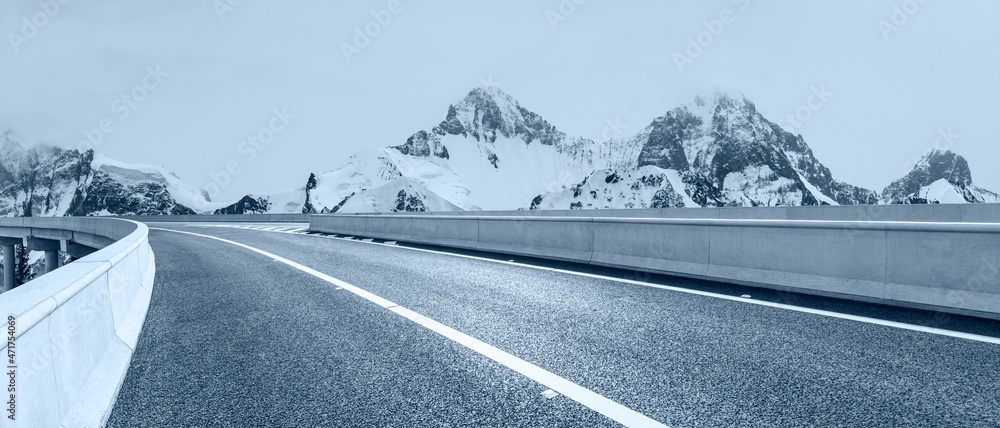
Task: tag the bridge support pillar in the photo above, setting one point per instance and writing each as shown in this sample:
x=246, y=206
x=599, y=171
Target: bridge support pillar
x=51, y=261
x=51, y=249
x=9, y=265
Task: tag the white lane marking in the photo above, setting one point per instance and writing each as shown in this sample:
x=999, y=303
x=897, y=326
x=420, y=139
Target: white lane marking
x=584, y=396
x=885, y=323
x=899, y=325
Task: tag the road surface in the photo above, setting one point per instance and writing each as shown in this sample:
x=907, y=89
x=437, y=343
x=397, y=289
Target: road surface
x=281, y=328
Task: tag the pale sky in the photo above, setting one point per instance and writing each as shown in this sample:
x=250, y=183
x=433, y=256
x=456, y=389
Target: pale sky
x=221, y=78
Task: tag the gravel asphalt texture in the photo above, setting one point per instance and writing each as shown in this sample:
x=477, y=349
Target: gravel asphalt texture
x=233, y=338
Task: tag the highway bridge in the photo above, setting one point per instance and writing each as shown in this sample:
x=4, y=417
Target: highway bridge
x=341, y=322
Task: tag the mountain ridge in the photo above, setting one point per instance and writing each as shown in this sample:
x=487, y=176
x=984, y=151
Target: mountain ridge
x=490, y=153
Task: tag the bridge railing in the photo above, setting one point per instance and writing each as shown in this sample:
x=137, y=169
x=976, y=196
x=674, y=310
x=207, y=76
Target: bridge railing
x=72, y=331
x=945, y=266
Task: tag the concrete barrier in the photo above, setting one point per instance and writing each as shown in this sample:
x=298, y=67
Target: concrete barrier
x=946, y=266
x=222, y=218
x=76, y=327
x=542, y=237
x=978, y=213
x=450, y=231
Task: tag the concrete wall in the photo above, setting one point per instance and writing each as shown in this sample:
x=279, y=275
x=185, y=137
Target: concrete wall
x=977, y=213
x=935, y=265
x=226, y=218
x=76, y=328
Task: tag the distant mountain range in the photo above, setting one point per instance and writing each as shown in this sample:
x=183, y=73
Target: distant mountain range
x=490, y=153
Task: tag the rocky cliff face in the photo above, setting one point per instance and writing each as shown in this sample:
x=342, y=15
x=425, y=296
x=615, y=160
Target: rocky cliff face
x=940, y=176
x=49, y=181
x=726, y=154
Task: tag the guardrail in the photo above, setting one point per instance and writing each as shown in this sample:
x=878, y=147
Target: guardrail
x=950, y=267
x=74, y=329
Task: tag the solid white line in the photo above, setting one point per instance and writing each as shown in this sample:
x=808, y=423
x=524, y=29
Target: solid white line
x=893, y=324
x=900, y=325
x=584, y=396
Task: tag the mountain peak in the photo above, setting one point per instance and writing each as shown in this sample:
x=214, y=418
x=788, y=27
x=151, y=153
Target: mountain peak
x=489, y=98
x=9, y=140
x=720, y=102
x=489, y=91
x=944, y=164
x=487, y=113
x=721, y=98
x=940, y=176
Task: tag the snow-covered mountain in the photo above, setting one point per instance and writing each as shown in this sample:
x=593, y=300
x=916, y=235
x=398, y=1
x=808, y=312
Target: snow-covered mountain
x=725, y=153
x=491, y=153
x=38, y=180
x=488, y=153
x=939, y=177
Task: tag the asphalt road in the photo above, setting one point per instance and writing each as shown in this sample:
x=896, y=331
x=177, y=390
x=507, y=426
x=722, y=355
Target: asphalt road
x=236, y=338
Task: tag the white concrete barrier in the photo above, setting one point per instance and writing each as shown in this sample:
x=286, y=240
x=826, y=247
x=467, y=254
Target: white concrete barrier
x=946, y=266
x=75, y=329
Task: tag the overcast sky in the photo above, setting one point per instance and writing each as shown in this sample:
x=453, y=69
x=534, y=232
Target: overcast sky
x=222, y=72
